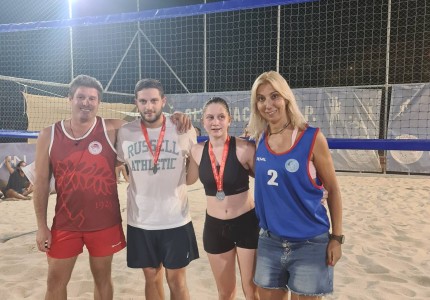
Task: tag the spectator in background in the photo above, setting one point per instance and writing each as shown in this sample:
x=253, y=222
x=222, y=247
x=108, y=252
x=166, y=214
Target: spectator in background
x=29, y=171
x=245, y=133
x=18, y=186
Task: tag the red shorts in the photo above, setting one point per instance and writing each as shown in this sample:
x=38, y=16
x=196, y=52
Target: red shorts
x=105, y=242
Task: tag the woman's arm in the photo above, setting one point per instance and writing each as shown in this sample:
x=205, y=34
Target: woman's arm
x=325, y=171
x=8, y=166
x=245, y=152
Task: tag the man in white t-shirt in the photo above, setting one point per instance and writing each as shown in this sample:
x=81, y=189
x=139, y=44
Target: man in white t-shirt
x=159, y=228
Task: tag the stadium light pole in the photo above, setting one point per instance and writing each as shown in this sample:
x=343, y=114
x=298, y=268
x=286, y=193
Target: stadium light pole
x=139, y=57
x=278, y=38
x=205, y=79
x=387, y=69
x=71, y=41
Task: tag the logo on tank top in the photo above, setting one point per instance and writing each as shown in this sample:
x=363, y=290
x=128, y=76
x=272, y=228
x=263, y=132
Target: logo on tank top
x=95, y=148
x=292, y=165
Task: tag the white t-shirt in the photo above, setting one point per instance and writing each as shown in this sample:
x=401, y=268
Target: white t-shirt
x=156, y=201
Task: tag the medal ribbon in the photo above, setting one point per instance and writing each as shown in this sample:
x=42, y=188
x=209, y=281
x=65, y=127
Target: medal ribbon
x=159, y=142
x=219, y=176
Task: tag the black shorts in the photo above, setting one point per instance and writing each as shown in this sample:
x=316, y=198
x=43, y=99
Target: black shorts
x=220, y=236
x=175, y=248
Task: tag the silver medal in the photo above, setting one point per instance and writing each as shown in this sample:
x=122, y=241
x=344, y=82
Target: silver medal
x=220, y=195
x=155, y=169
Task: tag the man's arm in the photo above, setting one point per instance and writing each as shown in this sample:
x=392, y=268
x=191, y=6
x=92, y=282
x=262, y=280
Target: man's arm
x=42, y=189
x=112, y=127
x=192, y=166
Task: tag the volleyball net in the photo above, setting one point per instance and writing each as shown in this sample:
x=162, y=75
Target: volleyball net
x=360, y=70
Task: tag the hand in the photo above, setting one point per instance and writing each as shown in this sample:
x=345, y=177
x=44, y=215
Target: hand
x=43, y=239
x=334, y=252
x=28, y=190
x=324, y=197
x=181, y=120
x=7, y=158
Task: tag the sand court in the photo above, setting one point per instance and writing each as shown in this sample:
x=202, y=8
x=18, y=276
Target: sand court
x=386, y=254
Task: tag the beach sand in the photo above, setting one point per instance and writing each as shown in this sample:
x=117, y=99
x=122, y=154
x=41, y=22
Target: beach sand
x=386, y=254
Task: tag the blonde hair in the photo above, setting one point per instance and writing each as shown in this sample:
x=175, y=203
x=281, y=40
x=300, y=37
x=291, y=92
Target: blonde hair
x=257, y=124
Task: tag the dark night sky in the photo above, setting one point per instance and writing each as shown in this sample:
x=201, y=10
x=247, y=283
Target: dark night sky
x=323, y=43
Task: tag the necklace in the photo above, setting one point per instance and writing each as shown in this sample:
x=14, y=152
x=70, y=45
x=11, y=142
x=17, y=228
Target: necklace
x=281, y=130
x=73, y=134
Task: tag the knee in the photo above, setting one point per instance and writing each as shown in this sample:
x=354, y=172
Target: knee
x=153, y=275
x=102, y=281
x=57, y=281
x=10, y=193
x=177, y=282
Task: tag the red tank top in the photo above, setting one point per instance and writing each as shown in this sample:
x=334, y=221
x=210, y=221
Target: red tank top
x=85, y=181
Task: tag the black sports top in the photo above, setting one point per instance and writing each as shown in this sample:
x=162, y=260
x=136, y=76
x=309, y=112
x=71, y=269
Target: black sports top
x=17, y=182
x=236, y=179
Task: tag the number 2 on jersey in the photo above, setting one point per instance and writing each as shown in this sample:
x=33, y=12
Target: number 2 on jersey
x=273, y=175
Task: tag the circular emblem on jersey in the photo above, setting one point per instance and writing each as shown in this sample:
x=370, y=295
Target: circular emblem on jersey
x=292, y=165
x=95, y=148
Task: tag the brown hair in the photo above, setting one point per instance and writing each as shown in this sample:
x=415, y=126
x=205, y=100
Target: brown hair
x=148, y=83
x=87, y=81
x=216, y=100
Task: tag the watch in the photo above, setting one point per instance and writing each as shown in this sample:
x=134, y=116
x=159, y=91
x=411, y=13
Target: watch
x=339, y=238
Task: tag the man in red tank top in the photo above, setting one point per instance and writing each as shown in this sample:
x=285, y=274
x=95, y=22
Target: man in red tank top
x=79, y=152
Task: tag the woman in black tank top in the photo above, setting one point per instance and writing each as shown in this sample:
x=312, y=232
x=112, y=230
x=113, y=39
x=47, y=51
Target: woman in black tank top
x=223, y=164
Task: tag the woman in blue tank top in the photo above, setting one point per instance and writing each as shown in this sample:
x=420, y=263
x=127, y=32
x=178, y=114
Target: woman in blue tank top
x=296, y=251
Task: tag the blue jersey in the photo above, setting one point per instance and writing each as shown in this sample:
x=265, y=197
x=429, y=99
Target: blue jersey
x=287, y=199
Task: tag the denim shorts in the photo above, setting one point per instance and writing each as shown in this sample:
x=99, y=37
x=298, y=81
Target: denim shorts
x=298, y=266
